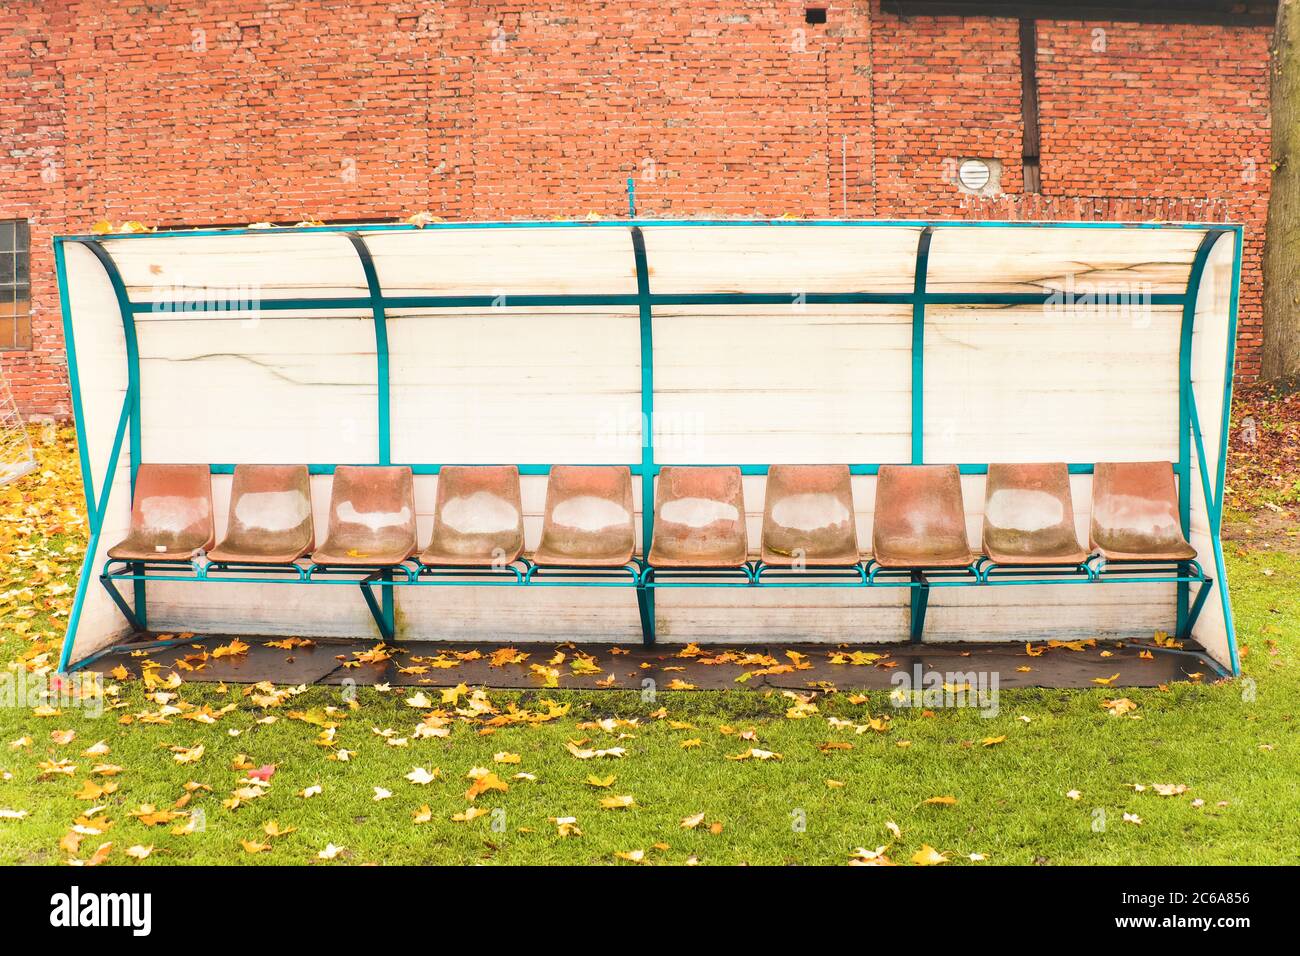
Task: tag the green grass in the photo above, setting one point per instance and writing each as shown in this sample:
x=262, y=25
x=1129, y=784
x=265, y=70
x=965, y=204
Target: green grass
x=1234, y=745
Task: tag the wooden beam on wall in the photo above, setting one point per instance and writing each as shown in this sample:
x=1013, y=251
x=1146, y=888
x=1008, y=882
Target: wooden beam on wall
x=1220, y=12
x=1030, y=139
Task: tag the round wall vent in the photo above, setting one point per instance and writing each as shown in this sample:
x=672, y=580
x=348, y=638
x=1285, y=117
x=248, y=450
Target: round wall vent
x=974, y=174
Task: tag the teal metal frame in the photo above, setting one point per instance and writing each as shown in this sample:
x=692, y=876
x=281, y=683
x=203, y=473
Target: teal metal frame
x=918, y=346
x=643, y=578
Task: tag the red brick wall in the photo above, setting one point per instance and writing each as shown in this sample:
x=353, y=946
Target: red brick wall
x=1175, y=114
x=33, y=43
x=194, y=111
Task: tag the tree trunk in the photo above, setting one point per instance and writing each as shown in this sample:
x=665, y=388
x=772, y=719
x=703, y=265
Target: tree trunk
x=1281, y=354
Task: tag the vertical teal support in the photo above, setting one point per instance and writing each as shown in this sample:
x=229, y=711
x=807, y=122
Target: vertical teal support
x=133, y=388
x=918, y=346
x=646, y=596
x=74, y=379
x=1214, y=498
x=96, y=520
x=382, y=388
x=381, y=345
x=1216, y=519
x=1183, y=467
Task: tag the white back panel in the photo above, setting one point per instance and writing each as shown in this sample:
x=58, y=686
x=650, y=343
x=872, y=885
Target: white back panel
x=767, y=384
x=1209, y=348
x=276, y=388
x=1021, y=384
x=1043, y=258
x=559, y=260
x=275, y=264
x=516, y=386
x=782, y=259
x=102, y=372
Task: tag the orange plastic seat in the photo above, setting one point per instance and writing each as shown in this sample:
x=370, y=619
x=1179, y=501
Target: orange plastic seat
x=171, y=516
x=372, y=517
x=1135, y=513
x=699, y=519
x=808, y=517
x=1029, y=515
x=270, y=516
x=477, y=519
x=920, y=520
x=589, y=518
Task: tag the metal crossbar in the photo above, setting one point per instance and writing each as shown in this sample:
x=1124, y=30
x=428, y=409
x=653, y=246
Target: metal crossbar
x=645, y=579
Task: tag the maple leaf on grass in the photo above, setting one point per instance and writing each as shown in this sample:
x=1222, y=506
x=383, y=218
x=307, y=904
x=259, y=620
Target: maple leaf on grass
x=483, y=781
x=420, y=776
x=929, y=856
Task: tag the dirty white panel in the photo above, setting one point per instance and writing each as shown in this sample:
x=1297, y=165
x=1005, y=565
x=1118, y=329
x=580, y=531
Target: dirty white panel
x=761, y=384
x=1038, y=612
x=334, y=610
x=1209, y=355
x=1025, y=384
x=516, y=386
x=271, y=389
x=519, y=615
x=270, y=264
x=1045, y=258
x=784, y=259
x=101, y=366
x=541, y=260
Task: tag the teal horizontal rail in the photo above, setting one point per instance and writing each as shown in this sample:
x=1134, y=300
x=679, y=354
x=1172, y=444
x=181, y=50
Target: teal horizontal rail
x=240, y=303
x=637, y=468
x=380, y=227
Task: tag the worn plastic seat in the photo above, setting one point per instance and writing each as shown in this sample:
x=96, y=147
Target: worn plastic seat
x=171, y=515
x=808, y=517
x=270, y=516
x=1135, y=513
x=1029, y=515
x=589, y=518
x=920, y=520
x=477, y=518
x=372, y=517
x=699, y=519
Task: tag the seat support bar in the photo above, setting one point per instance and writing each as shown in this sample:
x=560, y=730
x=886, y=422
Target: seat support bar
x=386, y=629
x=920, y=599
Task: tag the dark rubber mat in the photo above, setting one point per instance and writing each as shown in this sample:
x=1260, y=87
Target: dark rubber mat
x=665, y=667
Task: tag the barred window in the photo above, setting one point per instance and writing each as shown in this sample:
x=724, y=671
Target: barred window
x=15, y=285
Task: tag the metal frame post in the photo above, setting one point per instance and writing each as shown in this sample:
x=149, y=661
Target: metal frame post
x=645, y=597
x=1183, y=467
x=918, y=345
x=133, y=390
x=383, y=393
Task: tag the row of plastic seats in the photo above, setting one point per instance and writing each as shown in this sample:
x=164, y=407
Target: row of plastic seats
x=920, y=517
